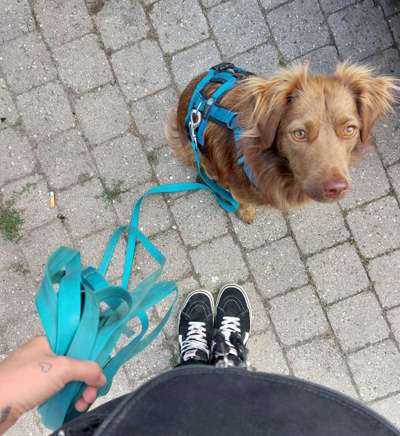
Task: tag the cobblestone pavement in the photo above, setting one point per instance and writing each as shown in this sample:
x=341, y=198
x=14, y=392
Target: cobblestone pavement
x=84, y=89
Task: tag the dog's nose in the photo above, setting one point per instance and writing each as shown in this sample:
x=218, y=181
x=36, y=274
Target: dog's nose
x=335, y=188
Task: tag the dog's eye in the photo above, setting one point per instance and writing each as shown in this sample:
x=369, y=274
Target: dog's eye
x=299, y=134
x=350, y=130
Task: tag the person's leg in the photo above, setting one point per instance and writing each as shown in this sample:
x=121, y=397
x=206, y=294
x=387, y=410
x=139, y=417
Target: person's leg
x=196, y=321
x=232, y=327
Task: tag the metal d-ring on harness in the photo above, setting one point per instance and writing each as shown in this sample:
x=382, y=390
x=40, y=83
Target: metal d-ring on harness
x=202, y=109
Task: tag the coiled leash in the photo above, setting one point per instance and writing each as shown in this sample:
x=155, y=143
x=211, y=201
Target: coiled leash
x=84, y=316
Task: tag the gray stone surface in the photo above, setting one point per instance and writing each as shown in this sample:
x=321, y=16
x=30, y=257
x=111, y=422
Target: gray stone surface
x=17, y=158
x=373, y=225
x=298, y=316
x=358, y=321
x=303, y=27
x=351, y=30
x=51, y=114
x=337, y=273
x=26, y=63
x=246, y=27
x=394, y=24
x=82, y=64
x=209, y=262
x=385, y=275
x=307, y=364
x=103, y=114
x=179, y=23
x=62, y=20
x=376, y=370
x=140, y=69
x=318, y=226
x=121, y=22
x=97, y=81
x=277, y=267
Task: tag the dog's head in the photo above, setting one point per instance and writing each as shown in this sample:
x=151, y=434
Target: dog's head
x=319, y=123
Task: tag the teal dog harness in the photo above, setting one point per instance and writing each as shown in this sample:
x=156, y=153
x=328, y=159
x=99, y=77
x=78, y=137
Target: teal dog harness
x=82, y=314
x=202, y=109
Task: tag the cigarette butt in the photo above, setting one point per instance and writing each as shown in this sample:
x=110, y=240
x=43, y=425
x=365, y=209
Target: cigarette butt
x=52, y=199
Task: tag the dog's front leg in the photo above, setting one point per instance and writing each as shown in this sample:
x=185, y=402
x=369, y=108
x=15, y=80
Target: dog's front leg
x=246, y=212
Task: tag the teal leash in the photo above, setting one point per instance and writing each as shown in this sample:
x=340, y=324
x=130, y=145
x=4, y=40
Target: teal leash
x=69, y=299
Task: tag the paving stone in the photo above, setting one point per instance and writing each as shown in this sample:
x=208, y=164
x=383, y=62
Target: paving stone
x=8, y=111
x=386, y=62
x=121, y=22
x=303, y=25
x=390, y=7
x=84, y=209
x=317, y=226
x=21, y=330
x=82, y=64
x=330, y=6
x=385, y=275
x=369, y=181
x=15, y=20
x=154, y=217
x=189, y=63
x=40, y=243
x=322, y=60
x=61, y=168
x=358, y=321
x=210, y=3
x=298, y=316
x=268, y=226
x=140, y=69
x=31, y=197
x=352, y=35
x=45, y=110
x=122, y=159
x=338, y=273
x=393, y=316
x=219, y=261
x=17, y=158
x=265, y=354
x=277, y=267
x=263, y=60
x=259, y=319
x=394, y=24
x=74, y=23
x=389, y=408
x=179, y=23
x=150, y=115
x=269, y=4
x=27, y=63
x=332, y=372
x=387, y=137
x=394, y=173
x=177, y=265
x=121, y=385
x=199, y=218
x=27, y=425
x=376, y=370
x=153, y=360
x=238, y=25
x=373, y=224
x=9, y=254
x=103, y=114
x=17, y=293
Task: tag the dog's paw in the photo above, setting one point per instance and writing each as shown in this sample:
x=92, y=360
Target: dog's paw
x=247, y=213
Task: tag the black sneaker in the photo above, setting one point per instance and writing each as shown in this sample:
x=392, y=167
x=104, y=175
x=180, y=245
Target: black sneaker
x=232, y=324
x=196, y=328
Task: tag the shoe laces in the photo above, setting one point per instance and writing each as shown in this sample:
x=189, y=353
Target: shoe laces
x=196, y=339
x=230, y=327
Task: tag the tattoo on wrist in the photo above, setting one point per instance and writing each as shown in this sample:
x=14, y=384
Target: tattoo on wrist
x=45, y=366
x=4, y=414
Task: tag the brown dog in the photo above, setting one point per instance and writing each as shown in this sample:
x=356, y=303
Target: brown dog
x=301, y=134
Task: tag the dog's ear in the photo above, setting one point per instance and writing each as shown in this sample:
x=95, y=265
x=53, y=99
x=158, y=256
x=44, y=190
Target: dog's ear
x=374, y=94
x=268, y=100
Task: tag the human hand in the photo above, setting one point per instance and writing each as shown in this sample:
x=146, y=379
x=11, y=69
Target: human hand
x=33, y=373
